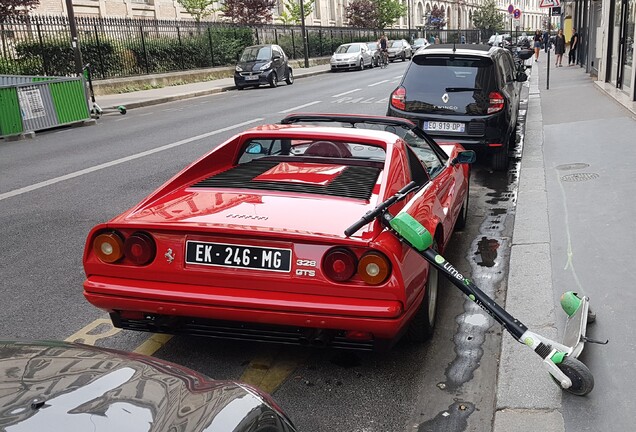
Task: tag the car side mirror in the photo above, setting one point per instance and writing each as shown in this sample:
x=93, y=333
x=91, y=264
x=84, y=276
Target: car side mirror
x=254, y=148
x=522, y=77
x=464, y=157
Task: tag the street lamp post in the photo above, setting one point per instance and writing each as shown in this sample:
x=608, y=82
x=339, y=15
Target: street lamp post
x=74, y=39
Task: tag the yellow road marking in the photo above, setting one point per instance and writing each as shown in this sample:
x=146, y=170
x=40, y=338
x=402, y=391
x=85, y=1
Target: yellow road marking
x=152, y=345
x=89, y=334
x=272, y=366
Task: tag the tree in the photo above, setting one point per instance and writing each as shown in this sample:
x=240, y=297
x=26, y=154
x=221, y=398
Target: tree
x=389, y=11
x=362, y=13
x=437, y=19
x=487, y=17
x=12, y=8
x=198, y=8
x=291, y=14
x=249, y=11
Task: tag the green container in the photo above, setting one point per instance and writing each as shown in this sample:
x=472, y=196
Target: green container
x=69, y=98
x=10, y=117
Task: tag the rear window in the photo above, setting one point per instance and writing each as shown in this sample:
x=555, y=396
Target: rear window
x=441, y=72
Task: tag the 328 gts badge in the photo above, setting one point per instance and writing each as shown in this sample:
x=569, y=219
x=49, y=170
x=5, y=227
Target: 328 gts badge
x=303, y=271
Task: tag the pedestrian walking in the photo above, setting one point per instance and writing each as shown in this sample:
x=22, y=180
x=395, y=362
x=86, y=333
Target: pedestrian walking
x=559, y=48
x=574, y=46
x=537, y=44
x=546, y=41
x=437, y=41
x=462, y=39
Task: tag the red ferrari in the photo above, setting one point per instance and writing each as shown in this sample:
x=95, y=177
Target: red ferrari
x=248, y=242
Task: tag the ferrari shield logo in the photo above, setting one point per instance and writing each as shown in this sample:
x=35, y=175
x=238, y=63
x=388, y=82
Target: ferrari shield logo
x=445, y=98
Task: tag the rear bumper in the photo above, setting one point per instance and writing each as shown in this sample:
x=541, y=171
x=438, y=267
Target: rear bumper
x=189, y=308
x=489, y=133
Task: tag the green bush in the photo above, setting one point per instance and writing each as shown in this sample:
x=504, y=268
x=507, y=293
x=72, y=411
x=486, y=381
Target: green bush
x=56, y=58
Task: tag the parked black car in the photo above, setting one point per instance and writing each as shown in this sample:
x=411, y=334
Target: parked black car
x=58, y=386
x=262, y=64
x=465, y=95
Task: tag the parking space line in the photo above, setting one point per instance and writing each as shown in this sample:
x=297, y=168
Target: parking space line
x=89, y=334
x=378, y=83
x=69, y=176
x=346, y=93
x=299, y=107
x=153, y=344
x=272, y=366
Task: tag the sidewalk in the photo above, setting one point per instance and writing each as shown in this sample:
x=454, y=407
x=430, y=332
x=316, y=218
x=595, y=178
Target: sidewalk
x=556, y=125
x=172, y=93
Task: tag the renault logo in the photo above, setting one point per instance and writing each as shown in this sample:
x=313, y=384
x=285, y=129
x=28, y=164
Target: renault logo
x=445, y=98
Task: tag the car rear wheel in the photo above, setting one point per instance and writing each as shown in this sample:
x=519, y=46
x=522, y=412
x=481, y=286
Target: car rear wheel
x=273, y=80
x=499, y=161
x=423, y=323
x=290, y=77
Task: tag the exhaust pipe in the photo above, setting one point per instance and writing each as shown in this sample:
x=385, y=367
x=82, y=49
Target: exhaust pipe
x=321, y=339
x=307, y=336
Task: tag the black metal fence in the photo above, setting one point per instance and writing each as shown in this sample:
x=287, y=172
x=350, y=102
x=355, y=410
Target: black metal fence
x=118, y=47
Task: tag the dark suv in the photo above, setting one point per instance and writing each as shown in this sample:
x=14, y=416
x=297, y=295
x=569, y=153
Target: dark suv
x=465, y=95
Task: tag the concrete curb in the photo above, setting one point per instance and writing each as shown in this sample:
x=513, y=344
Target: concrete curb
x=187, y=95
x=527, y=400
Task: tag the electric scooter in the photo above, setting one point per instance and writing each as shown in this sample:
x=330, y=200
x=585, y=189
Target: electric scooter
x=560, y=359
x=96, y=110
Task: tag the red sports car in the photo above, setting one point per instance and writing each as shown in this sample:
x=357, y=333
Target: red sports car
x=248, y=242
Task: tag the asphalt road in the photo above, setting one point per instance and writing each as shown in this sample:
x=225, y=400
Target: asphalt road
x=54, y=188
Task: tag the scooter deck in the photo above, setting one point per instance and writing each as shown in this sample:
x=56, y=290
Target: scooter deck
x=576, y=328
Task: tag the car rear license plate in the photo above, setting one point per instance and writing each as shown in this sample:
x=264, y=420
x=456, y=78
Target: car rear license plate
x=251, y=77
x=242, y=256
x=442, y=126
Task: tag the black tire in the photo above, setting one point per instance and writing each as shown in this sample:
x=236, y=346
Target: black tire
x=499, y=161
x=463, y=212
x=290, y=77
x=404, y=56
x=581, y=377
x=421, y=327
x=273, y=80
x=240, y=87
x=591, y=316
x=361, y=67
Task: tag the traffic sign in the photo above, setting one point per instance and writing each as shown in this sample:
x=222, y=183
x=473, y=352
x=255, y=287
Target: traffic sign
x=516, y=13
x=556, y=11
x=549, y=3
x=511, y=9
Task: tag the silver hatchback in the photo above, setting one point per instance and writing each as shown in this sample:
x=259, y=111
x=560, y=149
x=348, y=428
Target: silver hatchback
x=356, y=55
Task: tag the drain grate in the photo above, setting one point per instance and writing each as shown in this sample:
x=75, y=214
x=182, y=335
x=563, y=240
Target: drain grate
x=572, y=166
x=579, y=177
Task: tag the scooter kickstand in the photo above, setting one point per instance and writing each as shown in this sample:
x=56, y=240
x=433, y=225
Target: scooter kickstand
x=594, y=341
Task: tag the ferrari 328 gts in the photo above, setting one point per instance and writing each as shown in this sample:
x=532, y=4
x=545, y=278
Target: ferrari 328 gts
x=248, y=241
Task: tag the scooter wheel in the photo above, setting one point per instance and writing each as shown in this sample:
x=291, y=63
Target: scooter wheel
x=581, y=377
x=591, y=316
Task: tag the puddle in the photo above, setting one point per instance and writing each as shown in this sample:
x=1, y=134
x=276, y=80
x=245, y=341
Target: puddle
x=455, y=418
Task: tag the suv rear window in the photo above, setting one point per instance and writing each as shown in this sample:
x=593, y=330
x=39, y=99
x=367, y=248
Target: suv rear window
x=465, y=80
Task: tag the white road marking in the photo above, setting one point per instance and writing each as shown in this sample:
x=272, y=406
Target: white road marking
x=147, y=114
x=378, y=83
x=398, y=77
x=346, y=93
x=52, y=181
x=299, y=107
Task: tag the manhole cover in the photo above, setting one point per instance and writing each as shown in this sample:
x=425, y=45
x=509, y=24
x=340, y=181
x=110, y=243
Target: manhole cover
x=572, y=166
x=578, y=177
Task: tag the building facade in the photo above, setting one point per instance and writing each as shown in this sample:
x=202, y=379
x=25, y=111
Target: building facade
x=325, y=13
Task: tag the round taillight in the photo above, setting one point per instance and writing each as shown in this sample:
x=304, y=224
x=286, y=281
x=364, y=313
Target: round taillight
x=140, y=248
x=108, y=247
x=339, y=264
x=374, y=268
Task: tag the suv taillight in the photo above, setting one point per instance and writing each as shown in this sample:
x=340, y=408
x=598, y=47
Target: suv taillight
x=398, y=98
x=496, y=102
